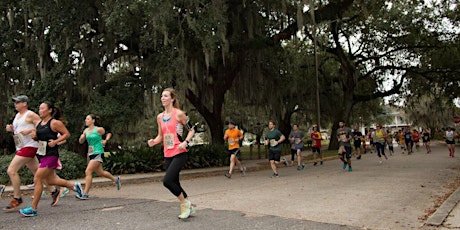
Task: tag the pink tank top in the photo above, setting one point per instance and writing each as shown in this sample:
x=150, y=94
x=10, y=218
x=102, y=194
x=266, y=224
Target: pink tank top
x=171, y=127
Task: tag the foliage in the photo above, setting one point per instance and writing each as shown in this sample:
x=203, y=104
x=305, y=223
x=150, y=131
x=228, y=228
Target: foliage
x=73, y=168
x=142, y=159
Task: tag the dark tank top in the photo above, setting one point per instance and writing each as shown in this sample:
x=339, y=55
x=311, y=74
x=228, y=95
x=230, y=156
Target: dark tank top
x=44, y=133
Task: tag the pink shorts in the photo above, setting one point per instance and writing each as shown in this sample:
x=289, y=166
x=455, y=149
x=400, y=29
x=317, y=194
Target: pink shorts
x=27, y=152
x=50, y=162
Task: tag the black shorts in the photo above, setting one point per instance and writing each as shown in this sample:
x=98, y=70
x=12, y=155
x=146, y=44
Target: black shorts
x=274, y=155
x=357, y=144
x=316, y=150
x=452, y=142
x=347, y=153
x=233, y=151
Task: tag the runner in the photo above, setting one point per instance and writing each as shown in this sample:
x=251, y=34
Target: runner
x=316, y=147
x=390, y=142
x=416, y=139
x=344, y=135
x=93, y=135
x=402, y=141
x=23, y=128
x=296, y=139
x=233, y=136
x=379, y=141
x=357, y=136
x=371, y=140
x=450, y=140
x=408, y=140
x=171, y=124
x=273, y=138
x=426, y=137
x=47, y=134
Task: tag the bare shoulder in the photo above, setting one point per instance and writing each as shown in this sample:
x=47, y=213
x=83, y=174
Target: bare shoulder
x=33, y=118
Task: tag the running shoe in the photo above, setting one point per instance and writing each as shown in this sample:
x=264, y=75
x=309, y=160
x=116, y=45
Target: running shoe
x=299, y=167
x=64, y=192
x=350, y=169
x=2, y=189
x=185, y=210
x=302, y=167
x=321, y=163
x=118, y=182
x=314, y=164
x=285, y=162
x=31, y=186
x=192, y=210
x=28, y=212
x=344, y=165
x=228, y=175
x=14, y=203
x=78, y=189
x=56, y=194
x=83, y=197
x=359, y=157
x=243, y=172
x=275, y=175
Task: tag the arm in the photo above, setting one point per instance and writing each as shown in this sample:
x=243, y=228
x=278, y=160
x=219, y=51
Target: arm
x=82, y=137
x=108, y=136
x=31, y=118
x=182, y=118
x=58, y=126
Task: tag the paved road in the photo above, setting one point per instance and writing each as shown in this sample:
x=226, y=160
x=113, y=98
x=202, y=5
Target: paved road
x=391, y=195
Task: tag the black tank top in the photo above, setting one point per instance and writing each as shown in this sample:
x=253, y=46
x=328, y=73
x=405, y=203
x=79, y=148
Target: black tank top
x=44, y=133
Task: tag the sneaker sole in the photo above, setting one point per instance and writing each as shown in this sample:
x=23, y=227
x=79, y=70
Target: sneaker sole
x=57, y=199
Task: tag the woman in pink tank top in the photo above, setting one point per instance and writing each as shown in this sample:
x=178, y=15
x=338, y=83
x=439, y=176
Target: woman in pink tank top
x=171, y=124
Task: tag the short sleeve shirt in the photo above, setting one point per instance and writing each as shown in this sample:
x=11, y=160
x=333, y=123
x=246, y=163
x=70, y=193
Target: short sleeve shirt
x=274, y=135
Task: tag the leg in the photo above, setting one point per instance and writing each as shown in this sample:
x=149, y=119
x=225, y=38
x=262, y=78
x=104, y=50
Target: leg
x=171, y=179
x=42, y=175
x=273, y=166
x=92, y=165
x=17, y=163
x=232, y=163
x=101, y=172
x=299, y=158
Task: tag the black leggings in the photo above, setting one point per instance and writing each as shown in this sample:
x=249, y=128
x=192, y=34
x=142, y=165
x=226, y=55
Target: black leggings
x=173, y=166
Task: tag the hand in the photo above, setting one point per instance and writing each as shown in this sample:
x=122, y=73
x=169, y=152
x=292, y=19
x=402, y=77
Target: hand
x=151, y=142
x=52, y=143
x=9, y=128
x=104, y=142
x=275, y=142
x=266, y=142
x=183, y=145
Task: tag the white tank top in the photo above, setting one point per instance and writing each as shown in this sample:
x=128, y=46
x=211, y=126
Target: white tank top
x=450, y=135
x=20, y=124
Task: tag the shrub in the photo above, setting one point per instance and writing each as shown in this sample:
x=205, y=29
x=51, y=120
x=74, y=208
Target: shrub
x=73, y=167
x=145, y=159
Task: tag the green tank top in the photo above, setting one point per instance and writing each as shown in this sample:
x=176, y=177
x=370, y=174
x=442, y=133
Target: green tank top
x=94, y=142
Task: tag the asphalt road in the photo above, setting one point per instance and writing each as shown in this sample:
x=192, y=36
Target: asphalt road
x=392, y=195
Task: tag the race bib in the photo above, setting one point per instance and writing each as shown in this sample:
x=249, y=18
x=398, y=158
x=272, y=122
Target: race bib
x=272, y=142
x=297, y=140
x=169, y=140
x=18, y=141
x=42, y=148
x=343, y=138
x=90, y=150
x=231, y=141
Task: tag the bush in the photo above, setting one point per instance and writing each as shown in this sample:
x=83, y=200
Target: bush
x=145, y=159
x=73, y=167
x=134, y=160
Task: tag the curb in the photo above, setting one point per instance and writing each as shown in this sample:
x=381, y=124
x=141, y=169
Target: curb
x=441, y=214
